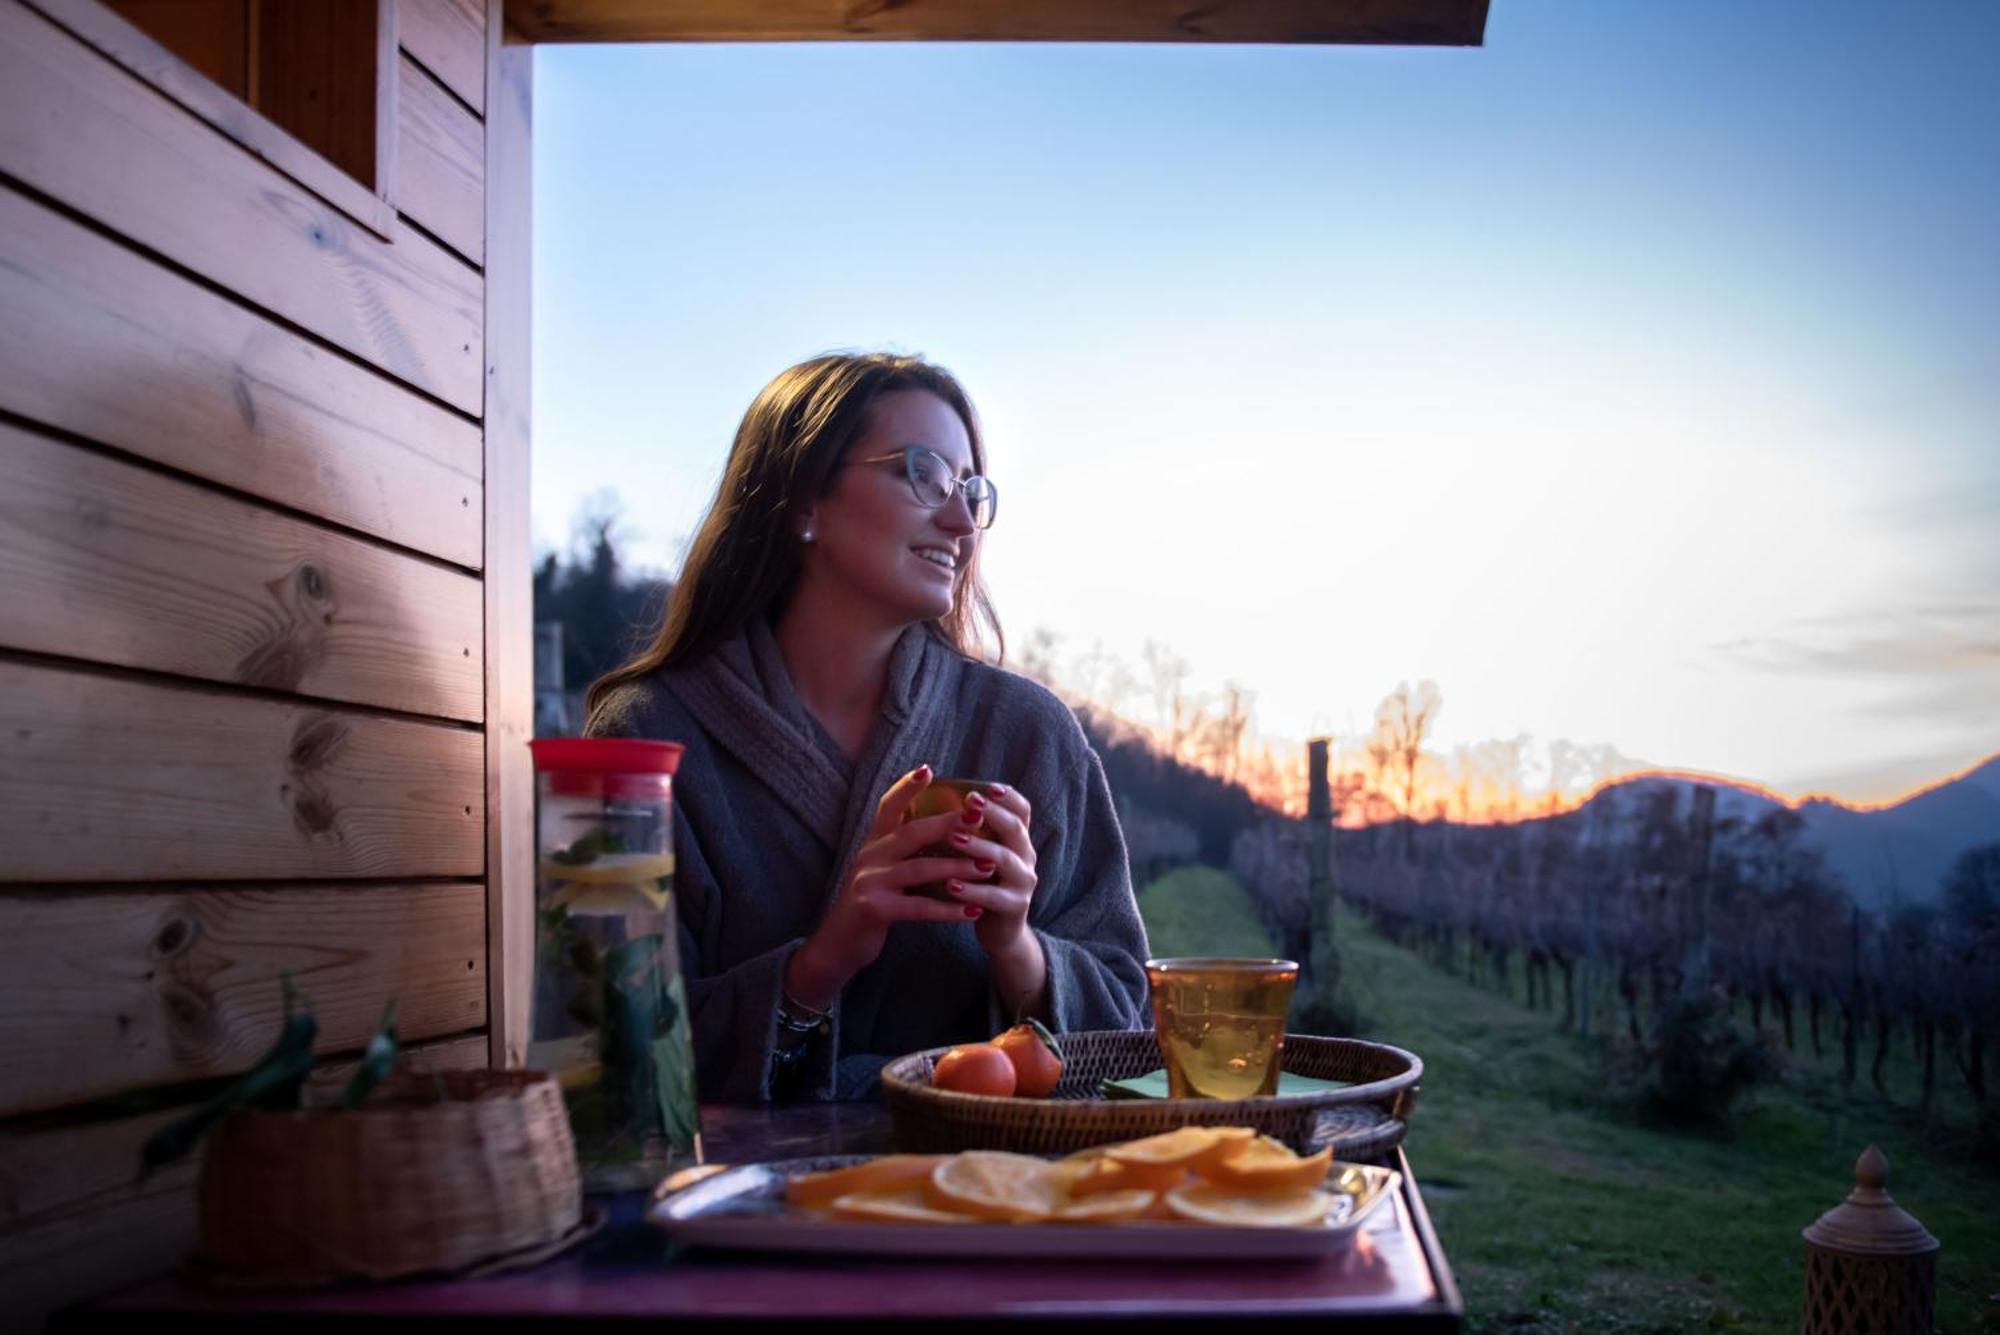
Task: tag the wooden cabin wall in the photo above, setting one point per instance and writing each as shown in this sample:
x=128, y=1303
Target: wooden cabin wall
x=258, y=671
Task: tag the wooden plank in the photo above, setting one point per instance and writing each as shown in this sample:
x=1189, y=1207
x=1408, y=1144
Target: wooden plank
x=226, y=108
x=137, y=1230
x=113, y=992
x=117, y=564
x=1368, y=22
x=82, y=131
x=116, y=779
x=76, y=1221
x=440, y=164
x=510, y=649
x=111, y=346
x=448, y=38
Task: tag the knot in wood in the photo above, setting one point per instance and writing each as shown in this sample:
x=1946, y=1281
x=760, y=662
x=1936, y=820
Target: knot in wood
x=175, y=936
x=193, y=1023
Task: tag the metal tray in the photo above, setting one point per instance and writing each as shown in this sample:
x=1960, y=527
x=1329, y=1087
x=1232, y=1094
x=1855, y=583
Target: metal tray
x=744, y=1208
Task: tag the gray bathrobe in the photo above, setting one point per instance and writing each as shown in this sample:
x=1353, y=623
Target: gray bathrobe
x=769, y=813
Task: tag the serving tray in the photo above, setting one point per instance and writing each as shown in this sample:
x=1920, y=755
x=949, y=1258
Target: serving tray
x=744, y=1208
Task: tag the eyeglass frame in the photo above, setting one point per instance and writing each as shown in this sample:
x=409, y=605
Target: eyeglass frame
x=954, y=483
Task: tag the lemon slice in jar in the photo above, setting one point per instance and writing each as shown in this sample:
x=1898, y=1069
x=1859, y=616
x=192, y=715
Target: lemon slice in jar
x=613, y=883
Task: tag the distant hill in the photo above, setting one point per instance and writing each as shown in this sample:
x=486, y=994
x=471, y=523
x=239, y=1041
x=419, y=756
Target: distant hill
x=1897, y=854
x=1903, y=852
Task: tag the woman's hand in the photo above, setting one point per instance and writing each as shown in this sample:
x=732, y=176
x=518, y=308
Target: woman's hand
x=1003, y=884
x=874, y=897
x=1005, y=890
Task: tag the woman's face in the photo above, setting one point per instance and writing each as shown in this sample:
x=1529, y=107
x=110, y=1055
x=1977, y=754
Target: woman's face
x=870, y=533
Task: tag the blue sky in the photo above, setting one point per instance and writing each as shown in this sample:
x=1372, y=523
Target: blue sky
x=1636, y=377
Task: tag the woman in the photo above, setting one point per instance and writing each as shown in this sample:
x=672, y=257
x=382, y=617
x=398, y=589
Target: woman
x=817, y=660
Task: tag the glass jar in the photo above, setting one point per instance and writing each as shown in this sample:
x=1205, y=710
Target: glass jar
x=610, y=1017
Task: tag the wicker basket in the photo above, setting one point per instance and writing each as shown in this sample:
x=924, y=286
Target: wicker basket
x=1362, y=1122
x=434, y=1173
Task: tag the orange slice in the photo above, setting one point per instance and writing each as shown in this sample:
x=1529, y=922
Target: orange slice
x=613, y=869
x=1209, y=1204
x=889, y=1173
x=991, y=1184
x=1111, y=1207
x=896, y=1207
x=1260, y=1168
x=1109, y=1175
x=1193, y=1147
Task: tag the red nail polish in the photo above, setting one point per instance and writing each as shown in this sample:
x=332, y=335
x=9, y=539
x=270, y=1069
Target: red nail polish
x=973, y=911
x=985, y=868
x=970, y=816
x=923, y=771
x=997, y=789
x=974, y=801
x=956, y=887
x=961, y=838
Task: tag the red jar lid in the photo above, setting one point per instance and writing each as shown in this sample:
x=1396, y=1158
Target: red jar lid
x=604, y=755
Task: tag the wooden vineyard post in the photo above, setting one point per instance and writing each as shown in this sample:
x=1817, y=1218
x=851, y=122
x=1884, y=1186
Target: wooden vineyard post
x=1323, y=959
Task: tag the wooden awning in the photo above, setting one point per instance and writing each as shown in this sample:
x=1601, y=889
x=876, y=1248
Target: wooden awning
x=1326, y=22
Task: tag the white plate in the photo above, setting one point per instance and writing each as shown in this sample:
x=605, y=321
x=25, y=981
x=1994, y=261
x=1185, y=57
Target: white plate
x=744, y=1208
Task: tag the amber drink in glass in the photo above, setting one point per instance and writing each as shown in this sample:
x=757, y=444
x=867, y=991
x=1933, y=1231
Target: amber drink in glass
x=1221, y=1024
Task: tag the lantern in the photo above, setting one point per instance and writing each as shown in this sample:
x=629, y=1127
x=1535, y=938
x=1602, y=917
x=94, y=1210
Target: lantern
x=1871, y=1269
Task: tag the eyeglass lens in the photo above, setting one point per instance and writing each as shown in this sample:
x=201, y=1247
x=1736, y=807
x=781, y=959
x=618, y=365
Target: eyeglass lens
x=931, y=479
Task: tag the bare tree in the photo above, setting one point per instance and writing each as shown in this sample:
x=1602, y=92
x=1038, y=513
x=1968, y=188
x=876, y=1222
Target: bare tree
x=1402, y=721
x=1173, y=710
x=1225, y=731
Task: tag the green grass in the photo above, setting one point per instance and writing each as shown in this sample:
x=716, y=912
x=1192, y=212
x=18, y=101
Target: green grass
x=1561, y=1210
x=1201, y=911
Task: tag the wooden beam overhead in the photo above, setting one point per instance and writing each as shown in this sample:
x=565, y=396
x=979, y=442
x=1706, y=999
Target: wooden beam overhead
x=1324, y=22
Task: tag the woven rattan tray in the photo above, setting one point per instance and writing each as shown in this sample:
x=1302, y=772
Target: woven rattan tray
x=1362, y=1122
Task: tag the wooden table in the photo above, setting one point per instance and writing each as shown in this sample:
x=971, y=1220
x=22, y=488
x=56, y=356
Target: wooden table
x=1395, y=1277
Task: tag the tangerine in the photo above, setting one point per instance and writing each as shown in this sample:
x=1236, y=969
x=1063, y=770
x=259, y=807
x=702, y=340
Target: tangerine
x=975, y=1068
x=1038, y=1063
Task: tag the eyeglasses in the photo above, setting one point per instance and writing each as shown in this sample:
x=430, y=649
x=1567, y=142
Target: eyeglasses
x=933, y=483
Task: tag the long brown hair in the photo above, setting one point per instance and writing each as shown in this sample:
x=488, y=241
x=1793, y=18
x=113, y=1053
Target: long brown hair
x=746, y=555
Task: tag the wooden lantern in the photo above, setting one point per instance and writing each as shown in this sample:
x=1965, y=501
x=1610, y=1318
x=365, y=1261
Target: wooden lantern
x=1871, y=1269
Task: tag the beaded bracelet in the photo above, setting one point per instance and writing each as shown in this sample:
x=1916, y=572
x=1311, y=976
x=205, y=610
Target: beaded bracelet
x=796, y=1018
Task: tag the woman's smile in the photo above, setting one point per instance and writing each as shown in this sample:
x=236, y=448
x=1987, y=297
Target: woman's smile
x=942, y=557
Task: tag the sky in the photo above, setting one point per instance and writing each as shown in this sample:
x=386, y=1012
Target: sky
x=1635, y=377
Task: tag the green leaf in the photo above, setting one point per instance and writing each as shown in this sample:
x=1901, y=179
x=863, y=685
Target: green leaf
x=588, y=849
x=376, y=1061
x=673, y=1071
x=274, y=1083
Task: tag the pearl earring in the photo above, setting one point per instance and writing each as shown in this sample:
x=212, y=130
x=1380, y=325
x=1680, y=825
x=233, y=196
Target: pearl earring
x=806, y=535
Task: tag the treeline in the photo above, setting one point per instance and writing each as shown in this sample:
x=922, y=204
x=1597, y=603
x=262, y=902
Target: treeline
x=1609, y=915
x=603, y=611
x=1173, y=812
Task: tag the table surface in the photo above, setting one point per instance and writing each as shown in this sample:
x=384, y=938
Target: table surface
x=1395, y=1275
